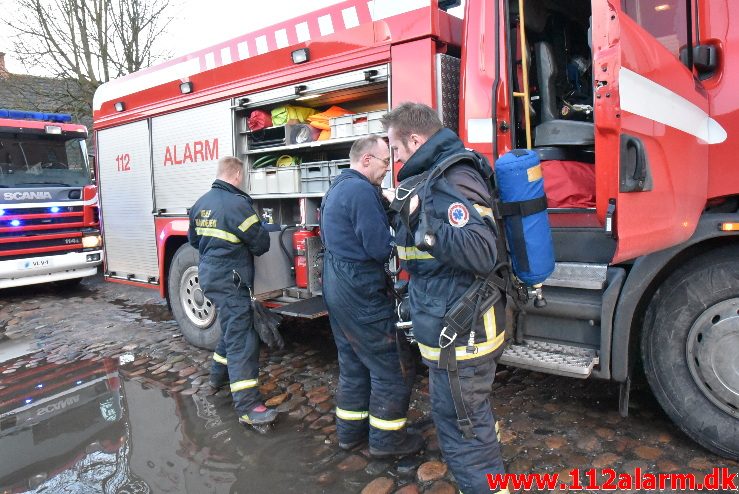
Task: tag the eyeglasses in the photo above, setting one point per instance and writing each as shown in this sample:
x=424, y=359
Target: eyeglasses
x=386, y=160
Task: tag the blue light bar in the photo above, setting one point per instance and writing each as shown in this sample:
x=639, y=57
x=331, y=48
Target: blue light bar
x=54, y=209
x=32, y=115
x=2, y=212
x=15, y=223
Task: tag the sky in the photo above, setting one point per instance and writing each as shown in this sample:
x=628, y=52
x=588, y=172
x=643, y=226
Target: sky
x=201, y=23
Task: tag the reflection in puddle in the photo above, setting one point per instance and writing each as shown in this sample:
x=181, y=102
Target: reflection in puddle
x=60, y=424
x=78, y=428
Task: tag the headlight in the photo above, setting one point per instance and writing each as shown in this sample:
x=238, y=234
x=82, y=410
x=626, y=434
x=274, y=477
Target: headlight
x=91, y=241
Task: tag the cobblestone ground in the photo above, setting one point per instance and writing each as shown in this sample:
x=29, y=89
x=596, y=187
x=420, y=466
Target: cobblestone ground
x=549, y=424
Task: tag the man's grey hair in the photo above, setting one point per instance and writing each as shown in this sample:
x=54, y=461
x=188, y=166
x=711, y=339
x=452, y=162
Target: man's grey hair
x=412, y=118
x=229, y=166
x=362, y=146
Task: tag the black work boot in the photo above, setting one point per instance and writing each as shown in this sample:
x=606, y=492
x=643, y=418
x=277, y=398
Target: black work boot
x=411, y=444
x=259, y=415
x=215, y=387
x=349, y=445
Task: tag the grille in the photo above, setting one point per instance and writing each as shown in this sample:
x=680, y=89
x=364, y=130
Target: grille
x=72, y=242
x=44, y=221
x=43, y=210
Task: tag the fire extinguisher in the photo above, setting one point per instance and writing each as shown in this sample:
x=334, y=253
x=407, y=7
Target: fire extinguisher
x=300, y=253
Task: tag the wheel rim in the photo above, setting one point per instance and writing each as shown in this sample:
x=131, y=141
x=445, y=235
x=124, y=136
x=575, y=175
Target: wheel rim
x=199, y=309
x=712, y=347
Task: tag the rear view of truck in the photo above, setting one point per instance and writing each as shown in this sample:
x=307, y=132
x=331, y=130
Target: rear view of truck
x=49, y=221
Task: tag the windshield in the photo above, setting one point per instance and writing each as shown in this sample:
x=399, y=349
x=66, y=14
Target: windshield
x=42, y=160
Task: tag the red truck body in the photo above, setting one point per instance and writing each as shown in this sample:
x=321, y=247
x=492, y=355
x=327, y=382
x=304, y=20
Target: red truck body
x=638, y=94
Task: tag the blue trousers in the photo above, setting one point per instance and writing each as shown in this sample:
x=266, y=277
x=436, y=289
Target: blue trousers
x=469, y=459
x=374, y=381
x=236, y=358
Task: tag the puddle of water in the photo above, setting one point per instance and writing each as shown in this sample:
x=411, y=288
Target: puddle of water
x=79, y=428
x=151, y=312
x=11, y=348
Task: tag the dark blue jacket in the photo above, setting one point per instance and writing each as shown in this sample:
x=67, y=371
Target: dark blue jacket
x=226, y=230
x=354, y=226
x=465, y=246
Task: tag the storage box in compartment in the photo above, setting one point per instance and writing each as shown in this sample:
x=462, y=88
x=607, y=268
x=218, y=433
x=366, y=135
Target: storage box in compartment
x=341, y=126
x=314, y=177
x=257, y=181
x=275, y=180
x=374, y=121
x=336, y=167
x=357, y=124
x=288, y=180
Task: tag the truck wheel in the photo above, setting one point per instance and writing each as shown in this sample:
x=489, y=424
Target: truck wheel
x=192, y=310
x=690, y=345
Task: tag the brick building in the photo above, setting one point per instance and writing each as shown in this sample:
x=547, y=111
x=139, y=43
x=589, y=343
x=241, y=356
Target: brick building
x=35, y=93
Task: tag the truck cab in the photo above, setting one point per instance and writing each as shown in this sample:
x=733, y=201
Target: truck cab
x=49, y=222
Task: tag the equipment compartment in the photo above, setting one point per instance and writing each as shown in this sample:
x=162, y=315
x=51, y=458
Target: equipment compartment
x=291, y=195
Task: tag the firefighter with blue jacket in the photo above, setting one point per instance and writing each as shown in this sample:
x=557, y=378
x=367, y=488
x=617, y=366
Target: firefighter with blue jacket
x=445, y=244
x=228, y=234
x=374, y=382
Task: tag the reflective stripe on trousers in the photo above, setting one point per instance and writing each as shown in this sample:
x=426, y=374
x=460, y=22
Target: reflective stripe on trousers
x=351, y=415
x=243, y=384
x=387, y=425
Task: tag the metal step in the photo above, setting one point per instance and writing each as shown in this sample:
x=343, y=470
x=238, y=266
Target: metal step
x=578, y=275
x=311, y=308
x=552, y=358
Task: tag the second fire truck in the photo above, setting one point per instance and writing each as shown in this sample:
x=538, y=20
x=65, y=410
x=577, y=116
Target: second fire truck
x=49, y=222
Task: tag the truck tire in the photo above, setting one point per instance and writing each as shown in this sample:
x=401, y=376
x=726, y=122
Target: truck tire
x=689, y=349
x=193, y=311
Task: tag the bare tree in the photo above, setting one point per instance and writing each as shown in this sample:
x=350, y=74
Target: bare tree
x=87, y=42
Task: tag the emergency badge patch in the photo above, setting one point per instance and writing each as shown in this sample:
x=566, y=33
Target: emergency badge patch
x=458, y=214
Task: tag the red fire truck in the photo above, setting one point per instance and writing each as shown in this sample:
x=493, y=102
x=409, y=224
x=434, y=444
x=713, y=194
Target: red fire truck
x=630, y=104
x=49, y=225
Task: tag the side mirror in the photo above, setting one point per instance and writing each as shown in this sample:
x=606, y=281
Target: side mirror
x=705, y=59
x=449, y=4
x=93, y=168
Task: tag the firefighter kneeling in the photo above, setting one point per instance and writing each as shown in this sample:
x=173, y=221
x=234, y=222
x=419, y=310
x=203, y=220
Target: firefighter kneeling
x=446, y=246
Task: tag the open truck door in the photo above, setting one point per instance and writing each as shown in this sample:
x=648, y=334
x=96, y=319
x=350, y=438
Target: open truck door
x=652, y=124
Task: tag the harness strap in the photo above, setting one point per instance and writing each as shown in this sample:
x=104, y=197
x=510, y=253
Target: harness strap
x=448, y=360
x=517, y=211
x=403, y=194
x=523, y=208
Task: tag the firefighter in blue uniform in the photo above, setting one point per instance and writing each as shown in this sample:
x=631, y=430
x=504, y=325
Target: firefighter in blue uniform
x=374, y=385
x=228, y=234
x=443, y=244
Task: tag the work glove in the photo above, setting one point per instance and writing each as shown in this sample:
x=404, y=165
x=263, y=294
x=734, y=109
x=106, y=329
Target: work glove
x=266, y=322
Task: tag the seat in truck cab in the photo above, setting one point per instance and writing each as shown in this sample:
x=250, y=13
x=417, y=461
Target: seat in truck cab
x=553, y=130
